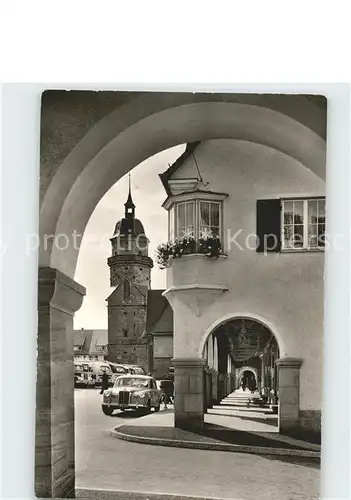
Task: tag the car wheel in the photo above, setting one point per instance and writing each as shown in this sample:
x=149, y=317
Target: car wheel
x=107, y=410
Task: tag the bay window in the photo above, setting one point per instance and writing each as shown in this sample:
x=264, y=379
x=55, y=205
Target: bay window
x=197, y=218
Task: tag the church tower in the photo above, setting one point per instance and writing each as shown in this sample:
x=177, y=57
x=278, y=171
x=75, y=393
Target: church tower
x=130, y=268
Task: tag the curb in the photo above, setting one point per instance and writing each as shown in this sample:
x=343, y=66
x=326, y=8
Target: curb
x=200, y=445
x=136, y=495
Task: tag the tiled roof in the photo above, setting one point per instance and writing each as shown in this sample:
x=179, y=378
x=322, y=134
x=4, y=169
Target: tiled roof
x=157, y=305
x=89, y=339
x=99, y=338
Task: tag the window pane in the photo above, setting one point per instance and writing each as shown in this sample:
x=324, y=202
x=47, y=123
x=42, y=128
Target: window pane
x=288, y=236
x=190, y=214
x=204, y=231
x=321, y=211
x=204, y=214
x=298, y=236
x=321, y=235
x=181, y=215
x=288, y=212
x=214, y=214
x=312, y=236
x=298, y=212
x=171, y=224
x=312, y=211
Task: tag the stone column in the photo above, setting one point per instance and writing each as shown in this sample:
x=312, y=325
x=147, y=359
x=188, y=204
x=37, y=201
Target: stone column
x=289, y=392
x=58, y=298
x=189, y=393
x=262, y=374
x=210, y=352
x=215, y=354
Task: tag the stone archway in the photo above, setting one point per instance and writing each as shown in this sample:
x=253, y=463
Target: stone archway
x=241, y=372
x=277, y=376
x=134, y=132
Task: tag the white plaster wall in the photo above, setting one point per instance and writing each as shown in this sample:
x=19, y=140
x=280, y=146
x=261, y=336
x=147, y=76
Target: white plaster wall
x=284, y=290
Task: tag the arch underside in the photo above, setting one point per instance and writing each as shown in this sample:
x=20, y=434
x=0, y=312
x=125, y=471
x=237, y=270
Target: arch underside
x=66, y=209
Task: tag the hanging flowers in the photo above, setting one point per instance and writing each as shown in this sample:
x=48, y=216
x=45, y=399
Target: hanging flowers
x=210, y=246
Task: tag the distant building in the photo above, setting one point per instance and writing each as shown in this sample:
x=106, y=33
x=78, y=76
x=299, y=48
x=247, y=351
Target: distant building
x=90, y=345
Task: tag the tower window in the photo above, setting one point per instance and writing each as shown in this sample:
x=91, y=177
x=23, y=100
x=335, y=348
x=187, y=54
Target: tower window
x=126, y=290
x=125, y=333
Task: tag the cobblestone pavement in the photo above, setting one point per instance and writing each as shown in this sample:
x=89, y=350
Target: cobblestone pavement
x=105, y=462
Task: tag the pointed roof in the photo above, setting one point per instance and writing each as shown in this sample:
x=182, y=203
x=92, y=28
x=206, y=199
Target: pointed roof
x=129, y=224
x=165, y=176
x=129, y=203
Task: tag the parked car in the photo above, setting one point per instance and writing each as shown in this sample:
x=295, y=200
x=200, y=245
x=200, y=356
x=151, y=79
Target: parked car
x=167, y=388
x=84, y=375
x=135, y=369
x=137, y=392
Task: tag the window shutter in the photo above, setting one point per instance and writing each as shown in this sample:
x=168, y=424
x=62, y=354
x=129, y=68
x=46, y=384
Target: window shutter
x=268, y=228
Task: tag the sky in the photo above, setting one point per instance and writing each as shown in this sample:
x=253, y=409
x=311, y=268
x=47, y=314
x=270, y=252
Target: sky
x=92, y=270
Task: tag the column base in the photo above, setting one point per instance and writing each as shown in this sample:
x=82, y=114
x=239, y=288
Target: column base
x=189, y=393
x=289, y=394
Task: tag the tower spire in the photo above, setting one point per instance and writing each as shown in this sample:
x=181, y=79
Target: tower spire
x=129, y=205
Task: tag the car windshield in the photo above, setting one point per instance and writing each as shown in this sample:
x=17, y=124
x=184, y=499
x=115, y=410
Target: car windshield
x=131, y=382
x=118, y=369
x=138, y=370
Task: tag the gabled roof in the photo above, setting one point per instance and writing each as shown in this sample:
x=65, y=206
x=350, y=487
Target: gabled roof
x=79, y=338
x=99, y=338
x=156, y=305
x=89, y=339
x=82, y=338
x=165, y=176
x=118, y=290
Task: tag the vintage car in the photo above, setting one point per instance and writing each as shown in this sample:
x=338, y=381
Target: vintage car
x=137, y=392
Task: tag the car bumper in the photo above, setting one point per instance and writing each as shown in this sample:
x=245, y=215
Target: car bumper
x=129, y=406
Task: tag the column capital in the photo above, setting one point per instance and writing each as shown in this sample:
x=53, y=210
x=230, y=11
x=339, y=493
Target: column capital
x=289, y=362
x=188, y=362
x=57, y=290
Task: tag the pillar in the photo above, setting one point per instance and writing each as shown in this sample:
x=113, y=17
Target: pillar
x=229, y=375
x=58, y=298
x=263, y=375
x=215, y=354
x=215, y=395
x=289, y=393
x=189, y=392
x=210, y=352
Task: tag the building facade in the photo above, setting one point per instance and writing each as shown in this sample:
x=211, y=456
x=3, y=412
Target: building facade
x=255, y=299
x=90, y=345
